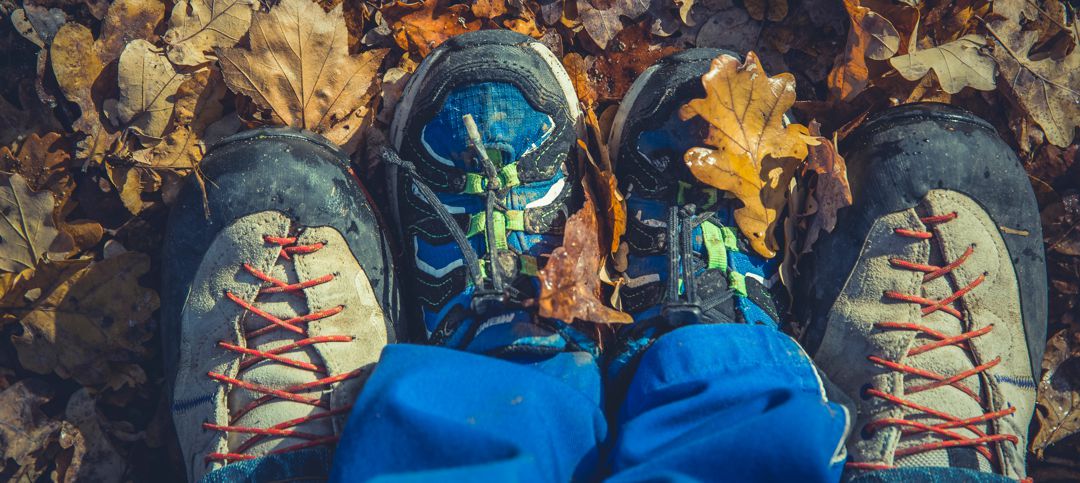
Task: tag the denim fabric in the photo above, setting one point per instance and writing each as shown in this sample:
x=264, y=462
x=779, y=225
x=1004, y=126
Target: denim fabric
x=716, y=402
x=312, y=464
x=929, y=475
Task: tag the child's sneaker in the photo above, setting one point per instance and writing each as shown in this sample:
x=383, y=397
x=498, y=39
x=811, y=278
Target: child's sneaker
x=277, y=300
x=481, y=186
x=687, y=261
x=927, y=304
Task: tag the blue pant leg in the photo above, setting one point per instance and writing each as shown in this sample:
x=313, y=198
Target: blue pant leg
x=430, y=413
x=728, y=402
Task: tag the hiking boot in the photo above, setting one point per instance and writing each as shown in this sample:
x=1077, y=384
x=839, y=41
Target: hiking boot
x=478, y=212
x=927, y=305
x=687, y=261
x=278, y=297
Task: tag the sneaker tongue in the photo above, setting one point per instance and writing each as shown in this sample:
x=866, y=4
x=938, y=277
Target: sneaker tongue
x=276, y=375
x=947, y=361
x=508, y=124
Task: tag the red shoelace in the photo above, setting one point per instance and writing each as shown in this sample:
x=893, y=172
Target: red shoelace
x=251, y=356
x=950, y=439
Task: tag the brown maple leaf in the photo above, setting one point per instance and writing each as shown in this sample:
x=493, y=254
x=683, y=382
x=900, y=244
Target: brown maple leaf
x=755, y=154
x=298, y=67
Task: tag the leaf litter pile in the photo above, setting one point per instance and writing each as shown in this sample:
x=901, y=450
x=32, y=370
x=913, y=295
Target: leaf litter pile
x=106, y=107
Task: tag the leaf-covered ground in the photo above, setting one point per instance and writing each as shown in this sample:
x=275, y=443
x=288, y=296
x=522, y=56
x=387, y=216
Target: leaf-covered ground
x=107, y=106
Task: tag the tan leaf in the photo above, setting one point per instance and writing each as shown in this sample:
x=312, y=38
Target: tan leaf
x=78, y=61
x=1058, y=410
x=133, y=181
x=299, y=68
x=148, y=82
x=197, y=27
x=42, y=161
x=774, y=10
x=1048, y=89
x=755, y=153
x=957, y=64
x=94, y=321
x=870, y=36
x=577, y=67
x=27, y=228
x=180, y=149
x=26, y=434
x=603, y=24
x=570, y=281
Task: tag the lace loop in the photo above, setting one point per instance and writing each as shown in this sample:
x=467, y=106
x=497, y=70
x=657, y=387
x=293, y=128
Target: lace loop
x=250, y=356
x=982, y=440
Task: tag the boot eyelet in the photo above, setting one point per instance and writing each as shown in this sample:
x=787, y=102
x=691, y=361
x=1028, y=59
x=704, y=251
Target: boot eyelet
x=866, y=432
x=864, y=391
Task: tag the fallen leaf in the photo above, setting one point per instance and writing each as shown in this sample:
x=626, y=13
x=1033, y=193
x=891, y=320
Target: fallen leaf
x=197, y=27
x=603, y=24
x=426, y=27
x=831, y=190
x=578, y=69
x=42, y=161
x=90, y=324
x=1058, y=403
x=870, y=36
x=601, y=176
x=148, y=82
x=101, y=462
x=24, y=116
x=756, y=154
x=26, y=435
x=181, y=149
x=489, y=8
x=27, y=228
x=78, y=61
x=613, y=73
x=1048, y=89
x=957, y=64
x=570, y=280
x=773, y=10
x=312, y=83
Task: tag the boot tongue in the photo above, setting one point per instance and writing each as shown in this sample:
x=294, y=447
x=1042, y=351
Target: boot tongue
x=276, y=375
x=946, y=361
x=508, y=124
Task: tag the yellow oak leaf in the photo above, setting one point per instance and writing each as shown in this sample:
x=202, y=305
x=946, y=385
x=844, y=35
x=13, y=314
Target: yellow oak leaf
x=299, y=68
x=755, y=153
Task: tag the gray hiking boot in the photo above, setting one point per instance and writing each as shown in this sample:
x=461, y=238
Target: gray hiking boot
x=277, y=305
x=927, y=305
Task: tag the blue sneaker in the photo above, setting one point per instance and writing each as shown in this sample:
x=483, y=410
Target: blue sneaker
x=478, y=213
x=687, y=261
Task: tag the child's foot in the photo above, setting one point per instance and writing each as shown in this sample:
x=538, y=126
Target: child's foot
x=479, y=210
x=927, y=304
x=688, y=263
x=276, y=305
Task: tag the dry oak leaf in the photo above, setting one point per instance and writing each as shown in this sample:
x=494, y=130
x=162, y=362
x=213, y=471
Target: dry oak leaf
x=197, y=27
x=431, y=24
x=1047, y=89
x=570, y=281
x=91, y=323
x=28, y=230
x=78, y=61
x=603, y=24
x=26, y=434
x=1058, y=403
x=755, y=154
x=831, y=188
x=957, y=64
x=42, y=161
x=870, y=36
x=774, y=10
x=299, y=68
x=148, y=82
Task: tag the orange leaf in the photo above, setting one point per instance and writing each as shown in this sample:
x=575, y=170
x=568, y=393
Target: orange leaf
x=831, y=190
x=756, y=154
x=570, y=281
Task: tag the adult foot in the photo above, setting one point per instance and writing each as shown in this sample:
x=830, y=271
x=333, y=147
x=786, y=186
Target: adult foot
x=277, y=301
x=927, y=304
